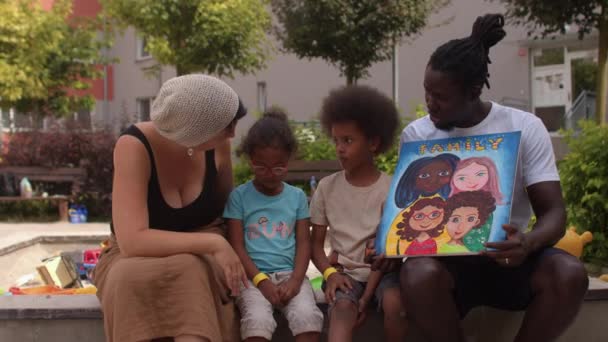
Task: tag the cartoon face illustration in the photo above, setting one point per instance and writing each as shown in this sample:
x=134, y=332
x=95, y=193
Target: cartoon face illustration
x=426, y=215
x=472, y=177
x=433, y=176
x=425, y=177
x=461, y=222
x=475, y=174
x=426, y=218
x=467, y=211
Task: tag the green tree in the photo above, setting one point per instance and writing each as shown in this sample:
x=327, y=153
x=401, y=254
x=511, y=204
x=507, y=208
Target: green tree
x=553, y=16
x=350, y=34
x=46, y=57
x=213, y=36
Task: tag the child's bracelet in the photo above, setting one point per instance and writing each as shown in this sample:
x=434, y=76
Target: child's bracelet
x=329, y=271
x=258, y=278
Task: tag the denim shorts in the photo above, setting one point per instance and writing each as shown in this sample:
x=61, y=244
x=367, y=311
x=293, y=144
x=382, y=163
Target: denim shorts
x=389, y=280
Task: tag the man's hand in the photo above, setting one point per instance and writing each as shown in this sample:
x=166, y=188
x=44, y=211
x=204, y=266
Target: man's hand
x=513, y=251
x=288, y=290
x=381, y=263
x=334, y=282
x=270, y=292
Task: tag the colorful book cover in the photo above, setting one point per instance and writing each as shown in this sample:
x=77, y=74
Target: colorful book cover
x=449, y=196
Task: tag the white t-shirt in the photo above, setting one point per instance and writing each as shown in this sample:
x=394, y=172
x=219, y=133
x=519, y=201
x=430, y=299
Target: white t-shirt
x=536, y=161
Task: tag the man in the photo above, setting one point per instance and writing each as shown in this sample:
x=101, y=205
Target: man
x=523, y=272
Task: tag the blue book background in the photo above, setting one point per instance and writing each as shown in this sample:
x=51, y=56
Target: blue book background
x=449, y=196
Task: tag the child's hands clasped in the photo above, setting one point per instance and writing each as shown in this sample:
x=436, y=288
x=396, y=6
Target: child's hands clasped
x=288, y=290
x=334, y=282
x=270, y=291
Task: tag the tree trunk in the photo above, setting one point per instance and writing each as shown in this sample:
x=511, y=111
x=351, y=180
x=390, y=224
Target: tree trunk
x=180, y=70
x=602, y=79
x=350, y=79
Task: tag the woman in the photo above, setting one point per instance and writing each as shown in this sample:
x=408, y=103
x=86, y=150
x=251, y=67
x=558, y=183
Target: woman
x=168, y=271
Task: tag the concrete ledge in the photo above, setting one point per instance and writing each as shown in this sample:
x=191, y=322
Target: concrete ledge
x=86, y=238
x=58, y=307
x=78, y=317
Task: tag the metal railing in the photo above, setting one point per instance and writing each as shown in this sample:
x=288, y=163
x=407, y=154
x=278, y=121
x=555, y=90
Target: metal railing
x=582, y=108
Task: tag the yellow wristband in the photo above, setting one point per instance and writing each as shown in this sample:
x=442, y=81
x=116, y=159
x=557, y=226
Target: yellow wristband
x=329, y=271
x=258, y=278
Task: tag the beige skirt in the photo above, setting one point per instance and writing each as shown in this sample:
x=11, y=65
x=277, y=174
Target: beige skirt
x=152, y=298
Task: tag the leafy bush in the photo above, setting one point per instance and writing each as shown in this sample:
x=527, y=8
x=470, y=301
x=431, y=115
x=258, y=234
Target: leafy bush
x=313, y=143
x=241, y=172
x=34, y=210
x=584, y=177
x=57, y=148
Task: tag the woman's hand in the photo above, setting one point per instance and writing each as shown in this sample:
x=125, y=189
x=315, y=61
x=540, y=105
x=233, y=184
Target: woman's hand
x=229, y=262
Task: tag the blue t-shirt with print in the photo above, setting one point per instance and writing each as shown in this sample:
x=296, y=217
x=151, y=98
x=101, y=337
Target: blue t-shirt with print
x=269, y=224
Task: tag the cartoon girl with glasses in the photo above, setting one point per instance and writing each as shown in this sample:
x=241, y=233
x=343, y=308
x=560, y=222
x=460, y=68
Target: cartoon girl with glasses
x=423, y=221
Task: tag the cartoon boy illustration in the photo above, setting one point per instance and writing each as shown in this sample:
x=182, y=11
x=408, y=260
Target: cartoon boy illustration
x=423, y=221
x=426, y=177
x=467, y=213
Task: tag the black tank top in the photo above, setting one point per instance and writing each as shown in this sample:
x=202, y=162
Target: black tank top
x=201, y=212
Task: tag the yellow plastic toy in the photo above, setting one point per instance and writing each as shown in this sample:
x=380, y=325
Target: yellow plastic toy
x=573, y=243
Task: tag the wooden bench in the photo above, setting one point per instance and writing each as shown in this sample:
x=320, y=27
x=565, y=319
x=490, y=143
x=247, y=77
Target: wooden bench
x=74, y=176
x=304, y=170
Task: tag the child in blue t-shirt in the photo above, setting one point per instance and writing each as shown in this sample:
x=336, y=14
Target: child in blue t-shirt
x=268, y=227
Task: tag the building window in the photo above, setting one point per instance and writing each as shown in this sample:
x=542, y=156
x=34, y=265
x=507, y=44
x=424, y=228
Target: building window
x=82, y=119
x=142, y=51
x=262, y=95
x=143, y=108
x=6, y=119
x=552, y=56
x=13, y=121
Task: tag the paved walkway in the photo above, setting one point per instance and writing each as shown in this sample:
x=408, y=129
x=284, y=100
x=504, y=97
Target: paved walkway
x=17, y=233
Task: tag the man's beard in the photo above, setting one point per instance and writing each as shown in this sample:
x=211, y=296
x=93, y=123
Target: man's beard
x=446, y=127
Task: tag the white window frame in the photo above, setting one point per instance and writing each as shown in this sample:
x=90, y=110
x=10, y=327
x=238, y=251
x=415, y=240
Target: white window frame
x=140, y=49
x=262, y=96
x=139, y=103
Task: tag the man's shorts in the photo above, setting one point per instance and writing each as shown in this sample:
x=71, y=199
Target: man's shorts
x=480, y=281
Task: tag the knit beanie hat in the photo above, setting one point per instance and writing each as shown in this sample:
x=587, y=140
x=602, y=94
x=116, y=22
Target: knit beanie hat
x=191, y=109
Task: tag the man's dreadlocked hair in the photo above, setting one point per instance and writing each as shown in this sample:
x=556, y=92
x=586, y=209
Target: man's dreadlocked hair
x=467, y=59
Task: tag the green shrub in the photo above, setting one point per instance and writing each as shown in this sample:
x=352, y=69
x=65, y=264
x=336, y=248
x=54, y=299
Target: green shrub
x=31, y=210
x=313, y=143
x=241, y=171
x=584, y=177
x=76, y=148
